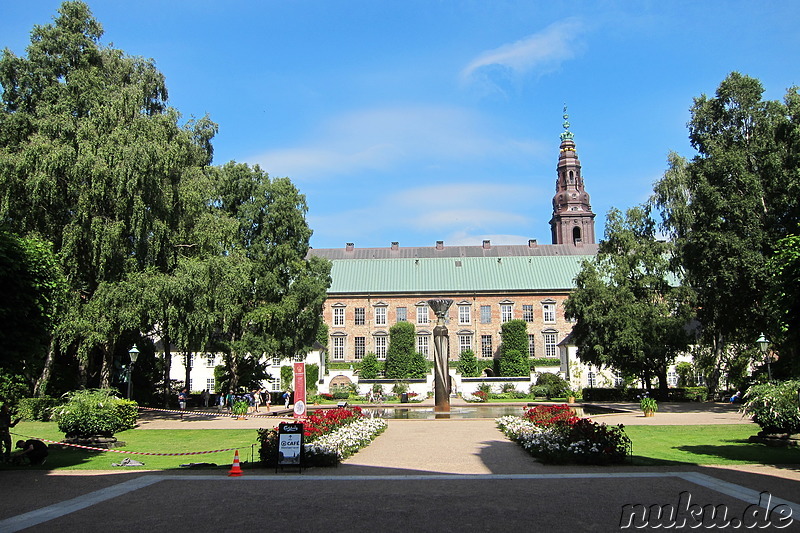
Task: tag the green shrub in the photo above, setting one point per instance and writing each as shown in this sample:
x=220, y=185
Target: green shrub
x=538, y=391
x=467, y=364
x=418, y=366
x=312, y=378
x=39, y=409
x=545, y=361
x=370, y=367
x=341, y=395
x=555, y=386
x=773, y=406
x=485, y=388
x=92, y=412
x=514, y=363
x=399, y=387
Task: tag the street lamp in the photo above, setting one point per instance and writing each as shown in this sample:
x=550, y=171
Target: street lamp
x=763, y=345
x=134, y=353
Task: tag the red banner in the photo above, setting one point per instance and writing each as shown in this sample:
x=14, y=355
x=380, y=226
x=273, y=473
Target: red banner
x=299, y=390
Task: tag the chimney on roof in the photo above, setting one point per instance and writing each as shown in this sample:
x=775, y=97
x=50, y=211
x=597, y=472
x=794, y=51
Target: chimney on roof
x=395, y=245
x=440, y=245
x=487, y=244
x=532, y=243
x=349, y=247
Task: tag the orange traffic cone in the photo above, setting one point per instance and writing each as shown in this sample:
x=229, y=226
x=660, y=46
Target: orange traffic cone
x=236, y=470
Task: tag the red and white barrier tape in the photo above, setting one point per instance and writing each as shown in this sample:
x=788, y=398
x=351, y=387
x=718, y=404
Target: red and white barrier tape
x=209, y=413
x=125, y=451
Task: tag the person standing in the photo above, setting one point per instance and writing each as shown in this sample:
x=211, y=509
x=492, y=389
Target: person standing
x=206, y=396
x=183, y=399
x=286, y=398
x=256, y=399
x=5, y=432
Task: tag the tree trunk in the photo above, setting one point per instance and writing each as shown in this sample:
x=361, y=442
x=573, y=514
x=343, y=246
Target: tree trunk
x=188, y=366
x=713, y=379
x=107, y=352
x=166, y=341
x=40, y=388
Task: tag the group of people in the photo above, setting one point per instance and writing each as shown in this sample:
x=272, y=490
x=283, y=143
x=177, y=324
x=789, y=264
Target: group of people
x=255, y=399
x=32, y=451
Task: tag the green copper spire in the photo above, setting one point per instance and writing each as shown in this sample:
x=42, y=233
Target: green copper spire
x=566, y=134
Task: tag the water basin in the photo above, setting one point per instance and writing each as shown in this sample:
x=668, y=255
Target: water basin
x=477, y=411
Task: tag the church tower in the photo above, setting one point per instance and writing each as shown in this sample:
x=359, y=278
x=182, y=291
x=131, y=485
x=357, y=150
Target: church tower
x=573, y=220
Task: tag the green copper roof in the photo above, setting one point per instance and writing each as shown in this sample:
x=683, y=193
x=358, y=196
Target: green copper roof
x=454, y=274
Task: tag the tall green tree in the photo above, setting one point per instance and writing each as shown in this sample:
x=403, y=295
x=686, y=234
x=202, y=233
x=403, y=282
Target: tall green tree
x=726, y=208
x=631, y=312
x=514, y=349
x=91, y=159
x=267, y=295
x=34, y=295
x=402, y=337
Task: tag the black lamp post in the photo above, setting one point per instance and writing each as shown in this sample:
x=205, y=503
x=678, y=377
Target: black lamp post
x=134, y=353
x=763, y=345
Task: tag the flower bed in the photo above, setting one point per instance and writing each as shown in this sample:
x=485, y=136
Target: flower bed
x=547, y=415
x=330, y=435
x=568, y=440
x=333, y=448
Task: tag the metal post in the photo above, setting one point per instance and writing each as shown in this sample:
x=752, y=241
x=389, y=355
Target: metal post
x=130, y=379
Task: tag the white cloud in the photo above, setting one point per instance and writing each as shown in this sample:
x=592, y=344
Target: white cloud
x=380, y=139
x=542, y=52
x=467, y=212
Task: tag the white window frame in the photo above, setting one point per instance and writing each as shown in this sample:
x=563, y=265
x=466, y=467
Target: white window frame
x=338, y=348
x=464, y=314
x=550, y=344
x=486, y=314
x=380, y=347
x=464, y=343
x=506, y=313
x=549, y=313
x=531, y=345
x=380, y=316
x=402, y=314
x=338, y=316
x=210, y=387
x=424, y=344
x=211, y=360
x=423, y=316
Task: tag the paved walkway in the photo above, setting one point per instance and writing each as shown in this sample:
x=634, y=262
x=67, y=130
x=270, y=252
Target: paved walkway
x=420, y=475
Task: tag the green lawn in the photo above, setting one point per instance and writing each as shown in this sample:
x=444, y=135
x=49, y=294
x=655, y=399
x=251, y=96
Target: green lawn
x=147, y=440
x=704, y=445
x=652, y=445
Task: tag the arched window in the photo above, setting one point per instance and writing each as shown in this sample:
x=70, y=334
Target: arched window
x=576, y=235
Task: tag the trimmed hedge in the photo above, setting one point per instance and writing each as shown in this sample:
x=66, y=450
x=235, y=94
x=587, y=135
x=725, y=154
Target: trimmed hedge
x=38, y=409
x=545, y=361
x=677, y=394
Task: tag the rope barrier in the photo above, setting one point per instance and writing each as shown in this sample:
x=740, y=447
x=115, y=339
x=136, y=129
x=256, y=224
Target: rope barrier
x=212, y=413
x=125, y=451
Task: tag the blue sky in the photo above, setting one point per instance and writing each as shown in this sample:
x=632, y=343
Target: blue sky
x=425, y=120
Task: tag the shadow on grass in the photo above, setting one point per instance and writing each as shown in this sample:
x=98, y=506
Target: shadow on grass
x=743, y=450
